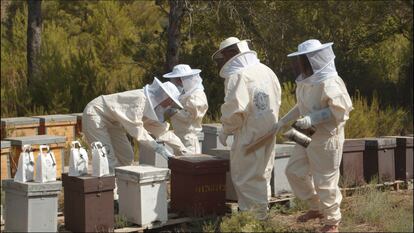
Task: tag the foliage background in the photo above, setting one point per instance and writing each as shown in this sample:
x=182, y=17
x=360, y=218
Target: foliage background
x=90, y=48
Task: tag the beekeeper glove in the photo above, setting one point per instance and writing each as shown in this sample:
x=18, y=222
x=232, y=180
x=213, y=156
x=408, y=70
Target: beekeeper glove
x=293, y=114
x=161, y=150
x=314, y=118
x=223, y=138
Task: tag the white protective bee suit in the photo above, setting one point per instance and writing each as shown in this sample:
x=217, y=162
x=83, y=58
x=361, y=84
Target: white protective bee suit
x=109, y=117
x=322, y=101
x=187, y=122
x=250, y=109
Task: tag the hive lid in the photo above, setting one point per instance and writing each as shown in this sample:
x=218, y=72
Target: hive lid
x=56, y=118
x=142, y=173
x=198, y=164
x=220, y=152
x=19, y=121
x=380, y=143
x=212, y=128
x=37, y=140
x=88, y=183
x=284, y=150
x=33, y=188
x=405, y=141
x=354, y=144
x=5, y=144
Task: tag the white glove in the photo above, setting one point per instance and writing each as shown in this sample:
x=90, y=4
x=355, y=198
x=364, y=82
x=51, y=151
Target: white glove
x=304, y=122
x=223, y=138
x=161, y=150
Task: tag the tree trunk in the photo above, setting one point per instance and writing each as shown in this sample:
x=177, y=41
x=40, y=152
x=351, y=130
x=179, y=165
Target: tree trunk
x=34, y=27
x=174, y=39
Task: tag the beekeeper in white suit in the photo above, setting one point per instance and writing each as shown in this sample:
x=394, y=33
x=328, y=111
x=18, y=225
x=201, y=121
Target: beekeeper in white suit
x=137, y=112
x=187, y=121
x=323, y=102
x=250, y=109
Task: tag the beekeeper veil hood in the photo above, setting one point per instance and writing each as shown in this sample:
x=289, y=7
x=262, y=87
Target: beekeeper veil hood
x=321, y=58
x=190, y=78
x=156, y=93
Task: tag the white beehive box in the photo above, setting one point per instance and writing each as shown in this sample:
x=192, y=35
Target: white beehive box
x=279, y=183
x=211, y=140
x=30, y=206
x=142, y=193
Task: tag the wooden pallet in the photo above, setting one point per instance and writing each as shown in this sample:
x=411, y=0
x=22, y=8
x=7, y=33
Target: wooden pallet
x=395, y=185
x=173, y=219
x=232, y=206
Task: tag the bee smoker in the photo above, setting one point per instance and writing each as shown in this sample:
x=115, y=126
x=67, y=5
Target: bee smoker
x=300, y=136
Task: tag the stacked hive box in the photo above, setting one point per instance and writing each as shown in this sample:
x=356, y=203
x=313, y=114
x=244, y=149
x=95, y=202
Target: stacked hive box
x=5, y=159
x=55, y=143
x=31, y=207
x=352, y=165
x=211, y=140
x=280, y=184
x=59, y=125
x=78, y=128
x=379, y=159
x=89, y=203
x=19, y=126
x=403, y=157
x=198, y=184
x=142, y=193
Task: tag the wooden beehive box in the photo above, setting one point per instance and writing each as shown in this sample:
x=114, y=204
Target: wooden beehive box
x=55, y=143
x=19, y=126
x=5, y=163
x=78, y=123
x=59, y=125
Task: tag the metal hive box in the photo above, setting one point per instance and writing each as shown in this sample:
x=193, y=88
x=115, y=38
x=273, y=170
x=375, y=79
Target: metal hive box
x=198, y=184
x=143, y=193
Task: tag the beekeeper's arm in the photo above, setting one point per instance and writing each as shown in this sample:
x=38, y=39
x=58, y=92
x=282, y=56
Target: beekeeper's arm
x=162, y=133
x=339, y=107
x=235, y=104
x=195, y=108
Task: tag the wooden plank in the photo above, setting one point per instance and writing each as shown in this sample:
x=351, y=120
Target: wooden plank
x=170, y=222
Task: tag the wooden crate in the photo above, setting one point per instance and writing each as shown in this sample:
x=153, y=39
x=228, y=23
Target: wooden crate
x=5, y=162
x=19, y=126
x=59, y=125
x=78, y=122
x=56, y=144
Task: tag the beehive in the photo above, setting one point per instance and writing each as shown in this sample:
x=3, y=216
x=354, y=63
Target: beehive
x=30, y=206
x=379, y=159
x=5, y=162
x=352, y=164
x=89, y=203
x=280, y=183
x=55, y=143
x=142, y=193
x=211, y=140
x=403, y=157
x=59, y=125
x=198, y=184
x=19, y=126
x=78, y=128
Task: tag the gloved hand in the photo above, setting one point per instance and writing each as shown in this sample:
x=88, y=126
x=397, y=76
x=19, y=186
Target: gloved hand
x=223, y=138
x=170, y=112
x=161, y=150
x=304, y=122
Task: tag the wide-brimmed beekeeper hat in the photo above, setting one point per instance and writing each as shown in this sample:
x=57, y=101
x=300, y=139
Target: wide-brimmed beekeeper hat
x=181, y=70
x=310, y=46
x=158, y=92
x=242, y=45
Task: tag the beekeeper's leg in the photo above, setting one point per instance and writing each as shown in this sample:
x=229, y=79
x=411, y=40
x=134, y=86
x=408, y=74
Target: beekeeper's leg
x=324, y=164
x=95, y=129
x=122, y=147
x=190, y=141
x=250, y=178
x=299, y=177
